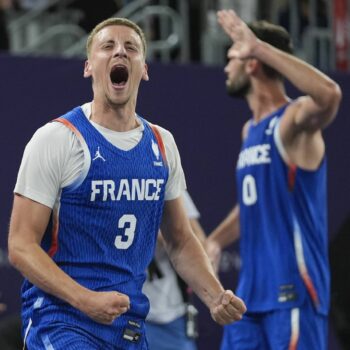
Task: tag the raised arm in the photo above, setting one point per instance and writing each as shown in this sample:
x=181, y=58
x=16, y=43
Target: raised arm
x=28, y=224
x=193, y=265
x=308, y=115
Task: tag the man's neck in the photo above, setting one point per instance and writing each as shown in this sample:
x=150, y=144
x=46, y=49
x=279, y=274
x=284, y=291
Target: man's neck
x=118, y=118
x=264, y=100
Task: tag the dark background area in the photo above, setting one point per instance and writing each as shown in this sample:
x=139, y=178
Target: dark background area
x=191, y=102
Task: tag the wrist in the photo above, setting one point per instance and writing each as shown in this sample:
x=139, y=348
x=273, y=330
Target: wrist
x=213, y=294
x=213, y=244
x=257, y=48
x=80, y=298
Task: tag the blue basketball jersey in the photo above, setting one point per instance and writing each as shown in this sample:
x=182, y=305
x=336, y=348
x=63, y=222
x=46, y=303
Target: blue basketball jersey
x=283, y=225
x=105, y=227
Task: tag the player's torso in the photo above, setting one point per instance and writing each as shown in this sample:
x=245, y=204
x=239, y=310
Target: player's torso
x=106, y=223
x=111, y=219
x=269, y=276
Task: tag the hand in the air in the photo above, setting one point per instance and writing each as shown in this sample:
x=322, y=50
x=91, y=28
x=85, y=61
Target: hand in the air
x=243, y=38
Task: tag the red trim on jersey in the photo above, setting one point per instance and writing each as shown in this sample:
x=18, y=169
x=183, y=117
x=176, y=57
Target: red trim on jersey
x=54, y=243
x=293, y=344
x=69, y=125
x=159, y=141
x=292, y=173
x=310, y=288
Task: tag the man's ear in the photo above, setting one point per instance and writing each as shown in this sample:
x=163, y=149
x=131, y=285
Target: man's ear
x=145, y=73
x=252, y=66
x=87, y=69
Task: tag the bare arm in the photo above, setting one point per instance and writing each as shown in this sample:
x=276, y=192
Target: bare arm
x=225, y=234
x=191, y=262
x=28, y=224
x=228, y=230
x=320, y=104
x=303, y=120
x=323, y=95
x=198, y=230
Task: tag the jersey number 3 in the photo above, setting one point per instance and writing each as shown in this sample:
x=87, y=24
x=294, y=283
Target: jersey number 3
x=249, y=193
x=128, y=223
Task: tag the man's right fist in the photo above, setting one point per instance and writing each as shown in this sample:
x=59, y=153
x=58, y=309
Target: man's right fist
x=105, y=307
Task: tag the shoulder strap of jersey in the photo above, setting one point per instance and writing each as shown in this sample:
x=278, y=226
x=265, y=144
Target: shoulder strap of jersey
x=159, y=141
x=67, y=123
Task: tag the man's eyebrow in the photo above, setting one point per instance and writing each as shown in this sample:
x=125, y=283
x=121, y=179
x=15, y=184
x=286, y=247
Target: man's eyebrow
x=109, y=41
x=132, y=42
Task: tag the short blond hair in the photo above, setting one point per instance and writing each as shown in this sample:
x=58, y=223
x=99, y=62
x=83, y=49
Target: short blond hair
x=113, y=22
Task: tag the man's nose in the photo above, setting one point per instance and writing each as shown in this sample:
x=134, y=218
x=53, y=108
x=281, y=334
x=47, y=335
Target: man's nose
x=119, y=51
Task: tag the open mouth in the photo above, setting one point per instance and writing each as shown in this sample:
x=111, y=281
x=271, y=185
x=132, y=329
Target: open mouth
x=119, y=75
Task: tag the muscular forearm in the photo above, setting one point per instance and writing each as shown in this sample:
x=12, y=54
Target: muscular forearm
x=193, y=265
x=306, y=78
x=40, y=270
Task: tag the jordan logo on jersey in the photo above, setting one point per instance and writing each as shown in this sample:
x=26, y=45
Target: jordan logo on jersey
x=156, y=152
x=98, y=155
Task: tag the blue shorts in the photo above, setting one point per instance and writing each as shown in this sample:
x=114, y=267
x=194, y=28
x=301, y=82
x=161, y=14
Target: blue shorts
x=169, y=336
x=62, y=336
x=286, y=329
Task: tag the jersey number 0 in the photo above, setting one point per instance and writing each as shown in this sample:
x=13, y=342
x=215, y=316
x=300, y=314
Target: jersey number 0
x=249, y=193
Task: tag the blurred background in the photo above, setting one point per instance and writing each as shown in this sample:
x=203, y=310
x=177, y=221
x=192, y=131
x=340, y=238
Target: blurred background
x=180, y=31
x=42, y=52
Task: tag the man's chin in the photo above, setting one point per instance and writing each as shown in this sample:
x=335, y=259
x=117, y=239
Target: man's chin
x=238, y=92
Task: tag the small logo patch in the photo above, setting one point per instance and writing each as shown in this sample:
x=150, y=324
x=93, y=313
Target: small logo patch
x=131, y=335
x=155, y=149
x=98, y=155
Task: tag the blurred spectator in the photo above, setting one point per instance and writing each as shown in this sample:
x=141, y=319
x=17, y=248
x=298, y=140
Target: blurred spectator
x=246, y=9
x=4, y=38
x=304, y=17
x=171, y=323
x=32, y=4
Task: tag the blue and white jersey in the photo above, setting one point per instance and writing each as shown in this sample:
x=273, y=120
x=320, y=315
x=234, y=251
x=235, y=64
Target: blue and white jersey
x=105, y=227
x=283, y=223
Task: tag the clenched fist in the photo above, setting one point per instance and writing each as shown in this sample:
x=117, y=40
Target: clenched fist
x=227, y=308
x=105, y=307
